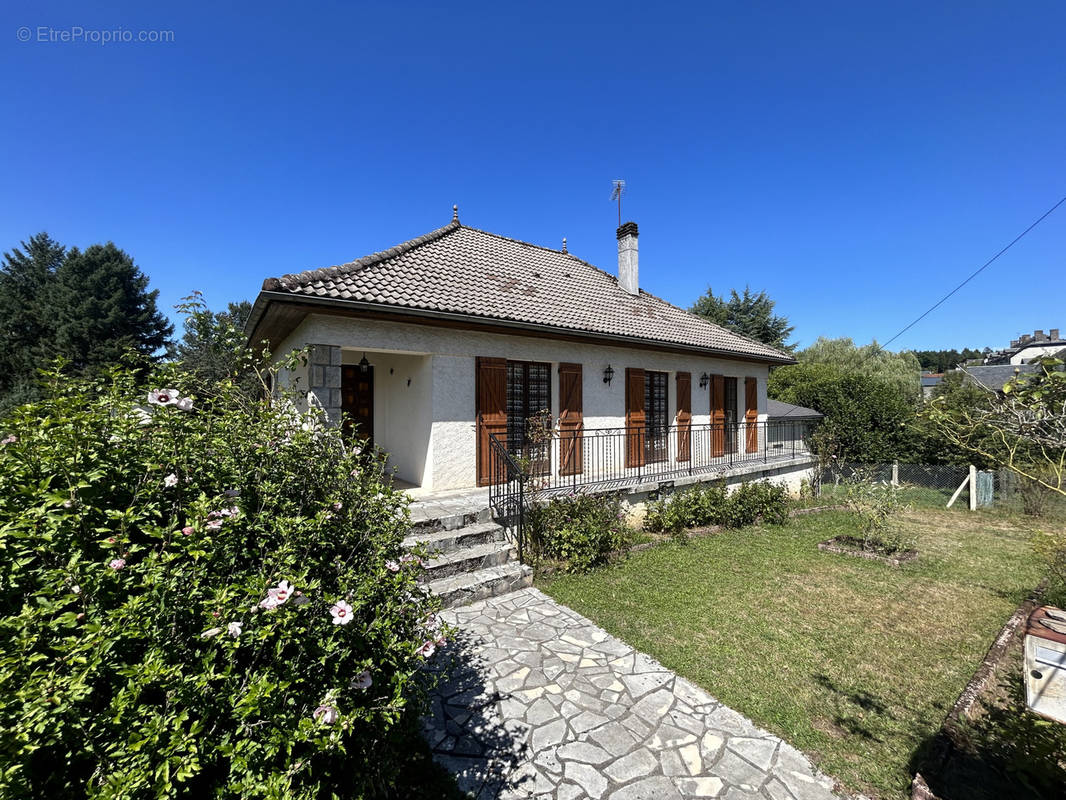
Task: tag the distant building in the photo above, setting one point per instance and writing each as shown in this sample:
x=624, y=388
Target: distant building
x=993, y=376
x=930, y=381
x=1026, y=348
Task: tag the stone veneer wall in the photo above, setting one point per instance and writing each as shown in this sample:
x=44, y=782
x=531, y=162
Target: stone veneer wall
x=324, y=379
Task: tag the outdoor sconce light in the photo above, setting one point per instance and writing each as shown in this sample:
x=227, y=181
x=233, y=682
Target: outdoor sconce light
x=608, y=374
x=364, y=365
x=704, y=380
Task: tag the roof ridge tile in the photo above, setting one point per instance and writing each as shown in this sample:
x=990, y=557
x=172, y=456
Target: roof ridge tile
x=294, y=280
x=463, y=275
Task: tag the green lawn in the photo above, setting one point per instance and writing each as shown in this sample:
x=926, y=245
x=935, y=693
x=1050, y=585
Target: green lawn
x=852, y=661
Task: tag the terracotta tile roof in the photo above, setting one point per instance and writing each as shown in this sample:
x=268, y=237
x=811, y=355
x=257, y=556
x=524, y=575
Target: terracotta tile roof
x=462, y=270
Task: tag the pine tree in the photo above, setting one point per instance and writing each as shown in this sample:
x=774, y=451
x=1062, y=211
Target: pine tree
x=751, y=315
x=103, y=309
x=26, y=275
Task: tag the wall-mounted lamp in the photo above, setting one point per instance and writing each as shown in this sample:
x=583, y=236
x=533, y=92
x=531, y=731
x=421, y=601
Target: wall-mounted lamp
x=364, y=365
x=704, y=380
x=608, y=374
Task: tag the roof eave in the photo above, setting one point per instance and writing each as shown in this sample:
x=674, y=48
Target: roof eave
x=266, y=297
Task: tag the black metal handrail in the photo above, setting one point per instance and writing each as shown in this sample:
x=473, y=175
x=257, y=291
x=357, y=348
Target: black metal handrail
x=507, y=490
x=620, y=457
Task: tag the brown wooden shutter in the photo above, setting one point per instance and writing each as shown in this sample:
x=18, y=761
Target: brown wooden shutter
x=571, y=420
x=491, y=395
x=684, y=416
x=751, y=413
x=717, y=416
x=635, y=418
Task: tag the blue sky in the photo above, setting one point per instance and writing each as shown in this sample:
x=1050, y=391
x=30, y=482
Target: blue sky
x=855, y=162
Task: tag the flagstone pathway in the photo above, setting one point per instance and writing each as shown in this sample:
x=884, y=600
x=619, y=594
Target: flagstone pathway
x=541, y=703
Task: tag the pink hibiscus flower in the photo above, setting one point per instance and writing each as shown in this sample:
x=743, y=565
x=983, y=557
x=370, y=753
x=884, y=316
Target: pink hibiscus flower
x=341, y=612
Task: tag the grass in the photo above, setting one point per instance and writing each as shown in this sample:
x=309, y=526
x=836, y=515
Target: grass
x=853, y=661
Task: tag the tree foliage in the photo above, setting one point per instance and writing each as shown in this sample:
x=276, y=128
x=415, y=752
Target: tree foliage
x=866, y=418
x=213, y=344
x=944, y=360
x=1021, y=428
x=202, y=596
x=89, y=307
x=750, y=314
x=901, y=370
x=26, y=322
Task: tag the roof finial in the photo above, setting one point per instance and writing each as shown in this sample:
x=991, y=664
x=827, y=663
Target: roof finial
x=564, y=244
x=455, y=213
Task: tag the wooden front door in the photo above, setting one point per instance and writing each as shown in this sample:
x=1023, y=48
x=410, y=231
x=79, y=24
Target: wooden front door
x=571, y=420
x=491, y=399
x=357, y=402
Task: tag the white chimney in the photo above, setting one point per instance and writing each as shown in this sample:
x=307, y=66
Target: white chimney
x=627, y=258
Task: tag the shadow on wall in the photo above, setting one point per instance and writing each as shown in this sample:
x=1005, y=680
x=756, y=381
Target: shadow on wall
x=466, y=731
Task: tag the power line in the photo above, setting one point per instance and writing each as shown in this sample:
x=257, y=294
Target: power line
x=881, y=348
x=975, y=273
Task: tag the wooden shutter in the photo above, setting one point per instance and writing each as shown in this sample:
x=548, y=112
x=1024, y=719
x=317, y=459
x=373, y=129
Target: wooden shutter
x=491, y=395
x=717, y=416
x=751, y=413
x=571, y=420
x=684, y=416
x=635, y=418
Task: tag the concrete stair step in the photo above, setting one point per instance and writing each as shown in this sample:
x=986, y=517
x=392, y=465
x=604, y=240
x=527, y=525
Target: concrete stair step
x=469, y=587
x=468, y=559
x=435, y=518
x=443, y=542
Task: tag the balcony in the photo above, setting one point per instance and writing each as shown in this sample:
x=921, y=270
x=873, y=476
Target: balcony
x=609, y=459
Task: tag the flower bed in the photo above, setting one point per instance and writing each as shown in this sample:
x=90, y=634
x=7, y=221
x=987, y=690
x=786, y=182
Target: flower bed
x=855, y=546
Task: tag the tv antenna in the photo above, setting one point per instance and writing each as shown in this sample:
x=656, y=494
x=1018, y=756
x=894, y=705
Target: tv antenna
x=618, y=189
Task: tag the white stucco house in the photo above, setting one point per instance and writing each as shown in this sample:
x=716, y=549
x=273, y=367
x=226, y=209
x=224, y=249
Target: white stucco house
x=440, y=346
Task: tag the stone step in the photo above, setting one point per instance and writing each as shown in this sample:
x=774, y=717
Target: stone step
x=468, y=559
x=469, y=587
x=442, y=542
x=432, y=518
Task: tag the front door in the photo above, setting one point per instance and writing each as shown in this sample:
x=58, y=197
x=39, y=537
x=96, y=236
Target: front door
x=357, y=402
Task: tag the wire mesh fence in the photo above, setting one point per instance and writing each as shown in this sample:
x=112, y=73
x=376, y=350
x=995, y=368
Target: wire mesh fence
x=933, y=483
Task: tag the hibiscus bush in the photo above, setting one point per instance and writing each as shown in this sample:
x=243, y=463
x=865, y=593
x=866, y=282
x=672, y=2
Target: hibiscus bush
x=202, y=595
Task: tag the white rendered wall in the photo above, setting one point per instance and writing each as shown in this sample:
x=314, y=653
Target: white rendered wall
x=403, y=403
x=450, y=462
x=1038, y=351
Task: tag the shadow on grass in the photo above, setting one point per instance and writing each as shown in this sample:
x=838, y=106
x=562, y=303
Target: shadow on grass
x=1007, y=752
x=851, y=708
x=465, y=730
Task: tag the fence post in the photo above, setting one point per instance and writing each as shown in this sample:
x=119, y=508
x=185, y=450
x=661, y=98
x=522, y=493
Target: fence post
x=895, y=473
x=973, y=488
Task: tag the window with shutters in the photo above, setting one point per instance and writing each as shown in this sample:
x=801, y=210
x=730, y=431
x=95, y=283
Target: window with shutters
x=730, y=403
x=528, y=397
x=656, y=423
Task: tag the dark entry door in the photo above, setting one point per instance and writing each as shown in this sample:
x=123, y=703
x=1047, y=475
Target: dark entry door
x=357, y=401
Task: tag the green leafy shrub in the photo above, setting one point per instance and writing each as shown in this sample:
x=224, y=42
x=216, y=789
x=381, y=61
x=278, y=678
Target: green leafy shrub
x=693, y=507
x=582, y=530
x=876, y=506
x=201, y=597
x=701, y=506
x=757, y=500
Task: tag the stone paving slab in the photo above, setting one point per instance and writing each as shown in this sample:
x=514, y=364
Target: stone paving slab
x=542, y=703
